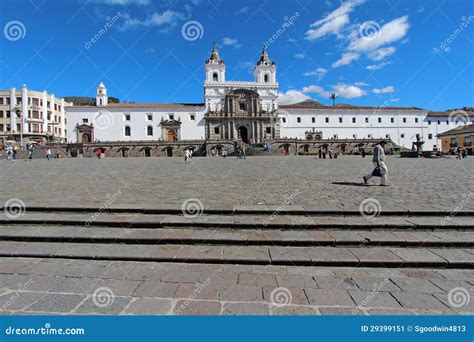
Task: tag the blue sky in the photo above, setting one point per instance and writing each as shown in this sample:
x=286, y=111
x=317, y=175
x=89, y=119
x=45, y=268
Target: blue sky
x=373, y=52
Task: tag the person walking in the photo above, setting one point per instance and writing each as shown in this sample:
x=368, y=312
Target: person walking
x=380, y=168
x=48, y=154
x=9, y=154
x=186, y=156
x=99, y=153
x=244, y=156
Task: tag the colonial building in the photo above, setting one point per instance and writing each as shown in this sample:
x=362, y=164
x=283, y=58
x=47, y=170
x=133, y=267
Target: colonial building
x=461, y=137
x=32, y=115
x=236, y=111
x=240, y=110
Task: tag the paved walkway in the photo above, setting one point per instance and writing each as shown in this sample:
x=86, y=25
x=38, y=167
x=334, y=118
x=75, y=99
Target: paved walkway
x=56, y=286
x=415, y=183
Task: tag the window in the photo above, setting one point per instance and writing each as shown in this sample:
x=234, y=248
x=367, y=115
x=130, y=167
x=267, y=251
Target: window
x=266, y=78
x=85, y=120
x=402, y=135
x=447, y=122
x=379, y=120
x=1, y=127
x=8, y=113
x=416, y=120
x=340, y=120
x=192, y=117
x=369, y=136
x=439, y=122
x=268, y=130
x=127, y=117
x=454, y=143
x=429, y=122
x=430, y=136
x=313, y=120
x=215, y=77
x=283, y=120
x=1, y=114
x=170, y=117
x=1, y=100
x=242, y=106
x=327, y=120
x=298, y=119
x=128, y=131
x=149, y=117
x=404, y=120
x=392, y=120
x=387, y=136
x=467, y=140
x=149, y=131
x=353, y=120
x=354, y=136
x=366, y=120
x=216, y=130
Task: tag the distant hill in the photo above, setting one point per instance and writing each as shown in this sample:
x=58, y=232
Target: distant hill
x=87, y=101
x=308, y=102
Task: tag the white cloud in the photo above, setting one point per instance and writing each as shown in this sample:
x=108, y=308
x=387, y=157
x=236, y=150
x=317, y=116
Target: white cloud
x=319, y=72
x=168, y=18
x=388, y=33
x=346, y=58
x=334, y=22
x=395, y=100
x=374, y=67
x=231, y=42
x=348, y=91
x=389, y=89
x=381, y=53
x=361, y=84
x=291, y=96
x=299, y=55
x=316, y=90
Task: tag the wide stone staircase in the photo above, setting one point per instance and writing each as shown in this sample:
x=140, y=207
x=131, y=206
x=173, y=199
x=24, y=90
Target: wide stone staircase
x=242, y=235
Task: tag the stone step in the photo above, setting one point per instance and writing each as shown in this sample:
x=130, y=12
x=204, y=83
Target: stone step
x=333, y=237
x=131, y=220
x=306, y=210
x=389, y=257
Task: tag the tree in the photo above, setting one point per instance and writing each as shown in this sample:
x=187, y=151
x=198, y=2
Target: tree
x=333, y=97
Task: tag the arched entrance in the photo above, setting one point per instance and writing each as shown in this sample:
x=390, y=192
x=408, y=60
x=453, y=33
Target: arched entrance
x=169, y=151
x=243, y=133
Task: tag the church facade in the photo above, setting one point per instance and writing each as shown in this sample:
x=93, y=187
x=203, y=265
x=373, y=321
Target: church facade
x=238, y=111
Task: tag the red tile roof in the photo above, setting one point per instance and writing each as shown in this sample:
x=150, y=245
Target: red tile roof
x=345, y=107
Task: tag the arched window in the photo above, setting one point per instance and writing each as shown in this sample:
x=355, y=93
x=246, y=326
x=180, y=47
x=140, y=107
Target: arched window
x=215, y=77
x=149, y=130
x=266, y=78
x=128, y=131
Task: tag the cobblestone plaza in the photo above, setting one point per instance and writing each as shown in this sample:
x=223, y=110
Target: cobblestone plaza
x=265, y=235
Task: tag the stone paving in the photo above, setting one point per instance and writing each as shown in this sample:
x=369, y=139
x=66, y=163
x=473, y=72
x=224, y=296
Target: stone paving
x=27, y=286
x=116, y=285
x=269, y=180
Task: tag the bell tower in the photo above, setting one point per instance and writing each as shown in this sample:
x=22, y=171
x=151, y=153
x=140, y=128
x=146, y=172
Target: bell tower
x=215, y=67
x=101, y=99
x=265, y=70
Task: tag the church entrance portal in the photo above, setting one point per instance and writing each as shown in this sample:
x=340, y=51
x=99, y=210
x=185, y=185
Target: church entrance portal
x=243, y=133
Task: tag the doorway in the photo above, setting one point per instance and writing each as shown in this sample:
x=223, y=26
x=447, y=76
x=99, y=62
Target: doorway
x=169, y=151
x=243, y=132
